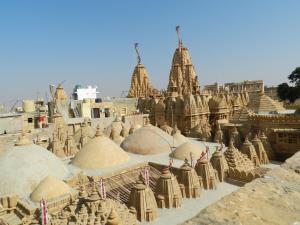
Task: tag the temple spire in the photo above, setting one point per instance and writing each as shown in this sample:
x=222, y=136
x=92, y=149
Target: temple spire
x=140, y=84
x=136, y=47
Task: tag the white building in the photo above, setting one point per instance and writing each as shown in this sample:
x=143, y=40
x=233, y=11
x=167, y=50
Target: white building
x=89, y=92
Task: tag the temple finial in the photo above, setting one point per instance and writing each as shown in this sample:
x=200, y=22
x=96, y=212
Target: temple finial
x=178, y=36
x=136, y=47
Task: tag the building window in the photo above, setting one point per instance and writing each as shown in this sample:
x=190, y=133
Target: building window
x=30, y=120
x=124, y=111
x=281, y=137
x=292, y=138
x=95, y=113
x=106, y=112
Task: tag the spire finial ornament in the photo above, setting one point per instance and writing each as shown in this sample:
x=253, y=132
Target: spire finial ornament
x=178, y=35
x=231, y=145
x=136, y=47
x=98, y=133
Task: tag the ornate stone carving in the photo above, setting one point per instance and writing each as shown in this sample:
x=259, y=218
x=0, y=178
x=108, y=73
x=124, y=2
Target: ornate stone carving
x=167, y=192
x=189, y=181
x=182, y=79
x=140, y=83
x=143, y=201
x=249, y=150
x=260, y=150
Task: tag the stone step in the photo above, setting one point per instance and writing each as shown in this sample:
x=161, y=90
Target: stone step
x=12, y=219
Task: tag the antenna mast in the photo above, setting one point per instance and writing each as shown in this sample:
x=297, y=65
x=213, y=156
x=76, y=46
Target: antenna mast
x=136, y=47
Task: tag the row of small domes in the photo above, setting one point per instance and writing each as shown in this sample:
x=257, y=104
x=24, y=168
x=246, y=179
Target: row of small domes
x=27, y=168
x=102, y=152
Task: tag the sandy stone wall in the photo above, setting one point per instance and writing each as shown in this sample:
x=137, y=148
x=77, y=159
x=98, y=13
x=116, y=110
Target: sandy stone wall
x=11, y=124
x=272, y=200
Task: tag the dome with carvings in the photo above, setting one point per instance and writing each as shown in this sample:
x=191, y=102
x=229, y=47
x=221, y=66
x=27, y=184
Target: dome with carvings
x=50, y=188
x=148, y=140
x=25, y=165
x=218, y=102
x=100, y=152
x=186, y=150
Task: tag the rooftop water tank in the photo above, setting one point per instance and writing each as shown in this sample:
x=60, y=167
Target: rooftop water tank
x=28, y=106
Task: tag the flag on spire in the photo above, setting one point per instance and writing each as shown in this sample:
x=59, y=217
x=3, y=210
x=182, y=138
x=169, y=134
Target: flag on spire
x=206, y=153
x=43, y=208
x=202, y=156
x=147, y=178
x=178, y=36
x=136, y=47
x=192, y=159
x=207, y=150
x=170, y=162
x=102, y=189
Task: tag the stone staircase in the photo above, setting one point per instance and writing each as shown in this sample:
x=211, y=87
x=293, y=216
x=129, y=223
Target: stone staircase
x=262, y=103
x=11, y=219
x=241, y=116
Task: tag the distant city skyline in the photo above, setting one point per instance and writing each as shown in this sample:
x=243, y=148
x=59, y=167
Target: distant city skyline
x=91, y=42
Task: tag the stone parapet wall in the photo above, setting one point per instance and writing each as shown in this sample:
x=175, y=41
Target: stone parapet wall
x=24, y=209
x=9, y=201
x=287, y=125
x=57, y=204
x=275, y=121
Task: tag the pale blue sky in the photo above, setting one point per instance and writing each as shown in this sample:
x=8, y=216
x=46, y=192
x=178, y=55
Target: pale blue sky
x=91, y=42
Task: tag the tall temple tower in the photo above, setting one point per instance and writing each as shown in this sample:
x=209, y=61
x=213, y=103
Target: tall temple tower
x=140, y=83
x=183, y=79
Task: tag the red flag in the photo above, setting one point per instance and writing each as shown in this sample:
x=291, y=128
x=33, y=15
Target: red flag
x=202, y=155
x=43, y=207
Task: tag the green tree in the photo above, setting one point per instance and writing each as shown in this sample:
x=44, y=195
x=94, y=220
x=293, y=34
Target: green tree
x=290, y=92
x=294, y=77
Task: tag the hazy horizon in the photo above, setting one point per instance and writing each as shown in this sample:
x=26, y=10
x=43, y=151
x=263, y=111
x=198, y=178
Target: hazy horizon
x=91, y=42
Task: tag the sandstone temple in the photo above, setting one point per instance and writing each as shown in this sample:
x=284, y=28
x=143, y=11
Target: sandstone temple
x=140, y=83
x=154, y=157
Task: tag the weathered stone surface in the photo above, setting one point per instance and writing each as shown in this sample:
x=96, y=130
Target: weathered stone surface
x=274, y=199
x=293, y=163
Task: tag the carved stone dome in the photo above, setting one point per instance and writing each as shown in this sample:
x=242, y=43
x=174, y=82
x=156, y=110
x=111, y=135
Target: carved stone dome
x=148, y=140
x=185, y=150
x=100, y=152
x=24, y=166
x=49, y=188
